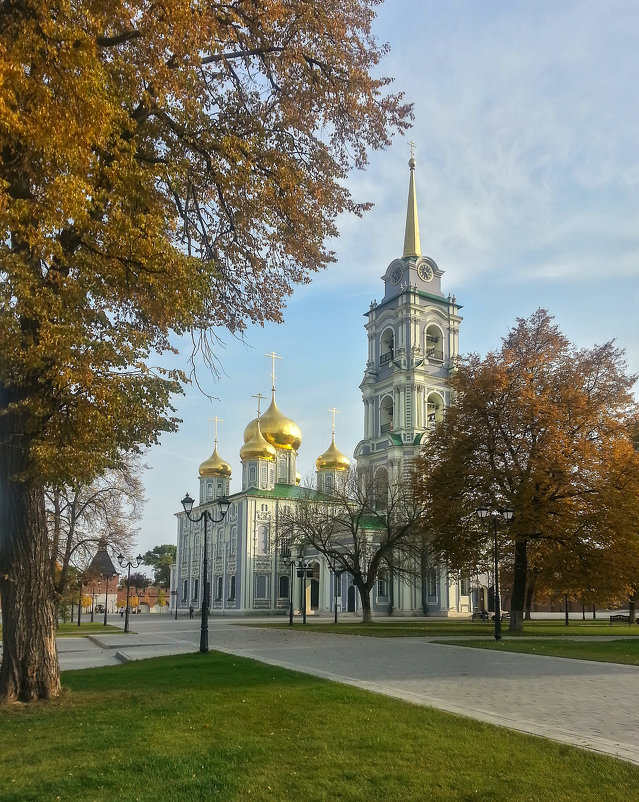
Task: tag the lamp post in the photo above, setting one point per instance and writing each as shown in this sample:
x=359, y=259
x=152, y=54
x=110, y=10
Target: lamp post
x=106, y=598
x=128, y=563
x=174, y=593
x=506, y=514
x=337, y=575
x=285, y=554
x=303, y=571
x=223, y=505
x=92, y=600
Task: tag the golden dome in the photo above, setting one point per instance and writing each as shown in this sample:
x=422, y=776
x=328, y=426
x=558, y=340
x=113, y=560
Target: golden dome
x=215, y=466
x=257, y=447
x=332, y=459
x=278, y=430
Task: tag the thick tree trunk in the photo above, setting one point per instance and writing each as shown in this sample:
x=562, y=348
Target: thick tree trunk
x=520, y=572
x=29, y=667
x=365, y=598
x=530, y=593
x=632, y=609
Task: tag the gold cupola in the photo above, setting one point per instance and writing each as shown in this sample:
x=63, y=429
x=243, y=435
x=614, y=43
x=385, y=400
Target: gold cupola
x=278, y=430
x=332, y=459
x=256, y=447
x=215, y=466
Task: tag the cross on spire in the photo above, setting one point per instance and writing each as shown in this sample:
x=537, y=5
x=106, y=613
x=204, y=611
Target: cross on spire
x=259, y=397
x=215, y=420
x=273, y=356
x=335, y=412
x=412, y=146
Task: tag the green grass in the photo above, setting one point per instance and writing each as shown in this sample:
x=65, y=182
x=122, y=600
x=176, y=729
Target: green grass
x=397, y=628
x=70, y=630
x=624, y=650
x=196, y=727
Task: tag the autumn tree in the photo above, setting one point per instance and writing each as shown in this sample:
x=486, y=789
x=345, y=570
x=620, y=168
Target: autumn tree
x=161, y=558
x=80, y=516
x=357, y=530
x=165, y=170
x=543, y=427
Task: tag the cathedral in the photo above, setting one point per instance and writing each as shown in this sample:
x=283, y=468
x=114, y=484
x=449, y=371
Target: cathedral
x=413, y=343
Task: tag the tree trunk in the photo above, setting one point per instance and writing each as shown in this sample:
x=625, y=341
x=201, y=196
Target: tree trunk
x=632, y=610
x=518, y=598
x=29, y=667
x=530, y=592
x=365, y=598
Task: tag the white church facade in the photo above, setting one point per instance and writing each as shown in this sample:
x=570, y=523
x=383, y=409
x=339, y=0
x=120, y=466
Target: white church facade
x=413, y=343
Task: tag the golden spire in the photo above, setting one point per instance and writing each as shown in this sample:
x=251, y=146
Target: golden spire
x=412, y=246
x=215, y=465
x=278, y=430
x=255, y=446
x=332, y=459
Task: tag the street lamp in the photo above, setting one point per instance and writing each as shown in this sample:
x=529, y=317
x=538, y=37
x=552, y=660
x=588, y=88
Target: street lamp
x=80, y=585
x=223, y=505
x=174, y=593
x=303, y=572
x=106, y=598
x=128, y=564
x=506, y=514
x=337, y=575
x=285, y=554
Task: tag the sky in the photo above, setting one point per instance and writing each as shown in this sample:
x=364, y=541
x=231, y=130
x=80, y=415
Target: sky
x=526, y=137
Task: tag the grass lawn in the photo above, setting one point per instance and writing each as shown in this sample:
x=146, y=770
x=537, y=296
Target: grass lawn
x=609, y=651
x=195, y=727
x=396, y=628
x=70, y=630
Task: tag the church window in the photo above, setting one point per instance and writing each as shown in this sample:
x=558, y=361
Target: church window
x=382, y=583
x=386, y=415
x=261, y=586
x=219, y=488
x=328, y=481
x=263, y=474
x=464, y=585
x=387, y=347
x=263, y=540
x=431, y=582
x=282, y=469
x=434, y=343
x=233, y=543
x=185, y=590
x=252, y=474
x=232, y=589
x=284, y=591
x=434, y=409
x=196, y=588
x=220, y=587
x=209, y=489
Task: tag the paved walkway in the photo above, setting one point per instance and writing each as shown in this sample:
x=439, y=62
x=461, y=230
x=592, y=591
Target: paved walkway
x=592, y=705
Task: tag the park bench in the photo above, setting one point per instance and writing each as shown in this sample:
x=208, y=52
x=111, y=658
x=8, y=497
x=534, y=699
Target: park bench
x=480, y=615
x=620, y=617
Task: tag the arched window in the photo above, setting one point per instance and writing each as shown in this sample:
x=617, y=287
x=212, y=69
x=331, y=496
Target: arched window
x=434, y=409
x=220, y=585
x=284, y=583
x=185, y=590
x=386, y=415
x=261, y=587
x=434, y=343
x=382, y=583
x=232, y=589
x=263, y=540
x=252, y=474
x=387, y=347
x=196, y=588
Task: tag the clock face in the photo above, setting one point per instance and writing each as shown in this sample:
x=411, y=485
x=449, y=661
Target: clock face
x=396, y=274
x=425, y=272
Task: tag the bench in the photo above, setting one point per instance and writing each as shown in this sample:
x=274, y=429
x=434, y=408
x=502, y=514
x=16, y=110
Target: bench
x=620, y=617
x=480, y=615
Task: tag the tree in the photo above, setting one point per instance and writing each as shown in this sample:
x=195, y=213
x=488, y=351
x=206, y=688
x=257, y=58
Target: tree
x=80, y=516
x=544, y=428
x=161, y=558
x=165, y=170
x=356, y=530
x=138, y=581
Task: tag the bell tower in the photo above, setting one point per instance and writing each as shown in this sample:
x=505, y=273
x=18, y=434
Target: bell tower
x=413, y=343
